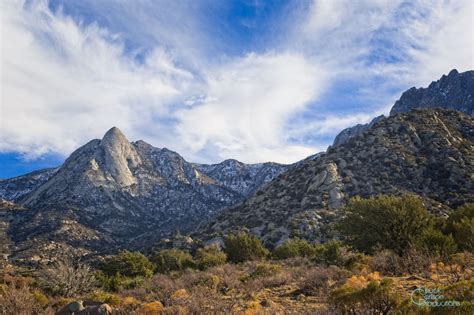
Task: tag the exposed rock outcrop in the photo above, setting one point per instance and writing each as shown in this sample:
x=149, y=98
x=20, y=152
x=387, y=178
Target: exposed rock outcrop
x=111, y=194
x=427, y=152
x=454, y=91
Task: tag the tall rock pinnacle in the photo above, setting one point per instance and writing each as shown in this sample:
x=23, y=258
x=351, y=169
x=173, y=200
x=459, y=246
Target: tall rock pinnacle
x=120, y=157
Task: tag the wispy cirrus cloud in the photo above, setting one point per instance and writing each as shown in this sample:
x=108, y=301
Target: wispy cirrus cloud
x=180, y=75
x=64, y=83
x=248, y=103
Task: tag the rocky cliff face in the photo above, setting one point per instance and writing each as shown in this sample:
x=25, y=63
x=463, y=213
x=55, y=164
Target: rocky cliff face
x=351, y=132
x=113, y=193
x=427, y=152
x=454, y=91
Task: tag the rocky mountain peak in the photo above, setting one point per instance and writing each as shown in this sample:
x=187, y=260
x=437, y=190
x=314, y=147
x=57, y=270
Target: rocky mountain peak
x=120, y=157
x=454, y=91
x=114, y=135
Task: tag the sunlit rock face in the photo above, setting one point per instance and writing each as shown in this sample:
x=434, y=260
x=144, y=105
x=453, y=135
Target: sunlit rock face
x=113, y=193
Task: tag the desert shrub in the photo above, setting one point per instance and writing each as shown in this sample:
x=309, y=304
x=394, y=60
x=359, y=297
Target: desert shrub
x=41, y=298
x=172, y=260
x=243, y=247
x=118, y=282
x=417, y=261
x=129, y=264
x=461, y=225
x=384, y=221
x=212, y=282
x=151, y=308
x=264, y=270
x=330, y=253
x=459, y=267
x=105, y=297
x=387, y=262
x=294, y=248
x=210, y=257
x=319, y=280
x=161, y=287
x=463, y=292
x=66, y=278
x=374, y=298
x=229, y=275
x=435, y=241
x=19, y=300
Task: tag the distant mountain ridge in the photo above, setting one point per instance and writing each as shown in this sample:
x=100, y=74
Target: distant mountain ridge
x=112, y=193
x=15, y=188
x=454, y=91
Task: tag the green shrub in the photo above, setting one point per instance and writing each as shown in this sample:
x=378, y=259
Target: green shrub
x=384, y=221
x=129, y=264
x=243, y=247
x=330, y=253
x=41, y=298
x=104, y=297
x=294, y=248
x=210, y=257
x=463, y=292
x=265, y=270
x=118, y=282
x=172, y=260
x=436, y=242
x=461, y=225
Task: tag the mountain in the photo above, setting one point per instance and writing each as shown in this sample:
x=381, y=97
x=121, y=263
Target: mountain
x=113, y=193
x=429, y=152
x=15, y=188
x=350, y=132
x=240, y=177
x=454, y=91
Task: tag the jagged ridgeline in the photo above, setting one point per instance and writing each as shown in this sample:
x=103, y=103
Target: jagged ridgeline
x=112, y=193
x=429, y=152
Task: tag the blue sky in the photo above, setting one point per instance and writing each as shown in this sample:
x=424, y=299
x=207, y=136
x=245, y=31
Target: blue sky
x=252, y=80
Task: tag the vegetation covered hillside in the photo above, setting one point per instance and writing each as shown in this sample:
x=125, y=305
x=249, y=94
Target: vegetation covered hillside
x=382, y=258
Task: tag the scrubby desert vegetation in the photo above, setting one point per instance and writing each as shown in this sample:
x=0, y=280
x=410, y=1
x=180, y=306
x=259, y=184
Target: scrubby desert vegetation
x=388, y=247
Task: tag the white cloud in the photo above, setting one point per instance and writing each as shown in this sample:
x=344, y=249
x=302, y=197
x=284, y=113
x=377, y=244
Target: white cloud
x=248, y=104
x=434, y=37
x=64, y=83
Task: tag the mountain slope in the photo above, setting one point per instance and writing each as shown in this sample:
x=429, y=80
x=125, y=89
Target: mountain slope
x=428, y=152
x=240, y=177
x=113, y=193
x=454, y=91
x=15, y=188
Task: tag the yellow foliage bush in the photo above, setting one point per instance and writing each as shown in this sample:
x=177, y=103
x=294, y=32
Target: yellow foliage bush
x=361, y=281
x=130, y=301
x=105, y=297
x=41, y=299
x=151, y=308
x=180, y=294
